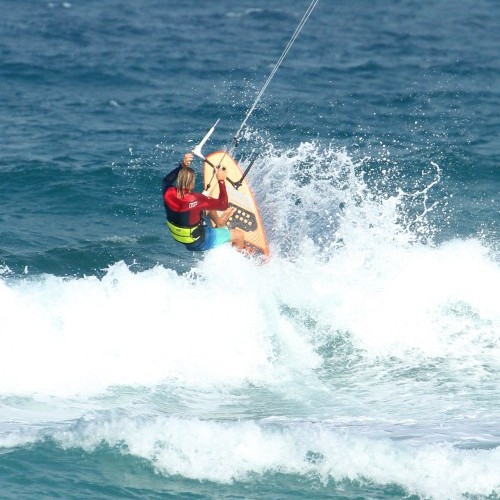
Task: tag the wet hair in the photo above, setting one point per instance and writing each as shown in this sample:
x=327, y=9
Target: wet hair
x=185, y=181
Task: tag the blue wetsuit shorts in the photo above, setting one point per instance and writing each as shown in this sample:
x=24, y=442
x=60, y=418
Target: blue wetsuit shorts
x=214, y=236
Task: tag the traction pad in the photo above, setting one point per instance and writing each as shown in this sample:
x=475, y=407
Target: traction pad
x=242, y=219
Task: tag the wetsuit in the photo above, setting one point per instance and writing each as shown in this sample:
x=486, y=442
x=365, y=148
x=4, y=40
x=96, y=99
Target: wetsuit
x=185, y=215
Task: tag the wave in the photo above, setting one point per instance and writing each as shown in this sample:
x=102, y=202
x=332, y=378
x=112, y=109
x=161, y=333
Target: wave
x=363, y=350
x=225, y=452
x=230, y=321
x=353, y=254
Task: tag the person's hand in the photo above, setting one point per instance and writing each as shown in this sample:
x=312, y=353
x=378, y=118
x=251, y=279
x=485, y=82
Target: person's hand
x=186, y=161
x=226, y=215
x=221, y=174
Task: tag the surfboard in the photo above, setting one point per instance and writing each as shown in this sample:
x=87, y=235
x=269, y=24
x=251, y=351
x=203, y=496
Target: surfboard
x=246, y=216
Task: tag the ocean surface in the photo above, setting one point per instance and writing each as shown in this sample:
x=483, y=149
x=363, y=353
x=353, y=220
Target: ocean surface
x=362, y=361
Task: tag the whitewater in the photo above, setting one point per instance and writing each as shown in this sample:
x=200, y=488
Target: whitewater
x=364, y=353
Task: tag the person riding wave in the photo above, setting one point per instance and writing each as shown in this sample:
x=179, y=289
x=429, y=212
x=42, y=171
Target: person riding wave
x=186, y=210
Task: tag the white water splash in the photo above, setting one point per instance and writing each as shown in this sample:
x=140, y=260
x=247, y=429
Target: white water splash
x=358, y=316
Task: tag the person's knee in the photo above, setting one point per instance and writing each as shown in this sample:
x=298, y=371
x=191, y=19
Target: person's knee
x=237, y=236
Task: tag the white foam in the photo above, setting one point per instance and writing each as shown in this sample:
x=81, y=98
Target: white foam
x=227, y=451
x=213, y=326
x=358, y=270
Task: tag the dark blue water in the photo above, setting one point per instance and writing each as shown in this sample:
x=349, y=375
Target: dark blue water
x=361, y=362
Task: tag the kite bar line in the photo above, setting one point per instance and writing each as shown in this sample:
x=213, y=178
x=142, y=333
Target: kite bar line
x=303, y=21
x=197, y=150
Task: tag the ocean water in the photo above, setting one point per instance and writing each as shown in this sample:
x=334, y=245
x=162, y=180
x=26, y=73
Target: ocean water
x=360, y=362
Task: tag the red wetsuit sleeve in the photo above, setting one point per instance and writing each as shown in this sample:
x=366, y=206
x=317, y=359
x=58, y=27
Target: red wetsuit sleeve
x=220, y=203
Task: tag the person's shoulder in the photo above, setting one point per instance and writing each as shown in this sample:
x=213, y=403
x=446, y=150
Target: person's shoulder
x=170, y=192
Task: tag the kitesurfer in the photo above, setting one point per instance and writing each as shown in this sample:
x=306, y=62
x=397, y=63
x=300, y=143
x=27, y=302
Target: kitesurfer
x=186, y=209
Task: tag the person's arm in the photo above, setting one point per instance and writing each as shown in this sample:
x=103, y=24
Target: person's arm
x=221, y=179
x=208, y=203
x=169, y=180
x=221, y=220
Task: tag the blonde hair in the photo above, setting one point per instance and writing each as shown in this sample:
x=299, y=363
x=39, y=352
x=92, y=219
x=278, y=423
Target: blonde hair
x=185, y=181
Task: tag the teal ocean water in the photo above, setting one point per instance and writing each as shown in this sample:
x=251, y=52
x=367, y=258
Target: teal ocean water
x=361, y=362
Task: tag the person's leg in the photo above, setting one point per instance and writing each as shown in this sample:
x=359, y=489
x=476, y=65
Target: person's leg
x=215, y=236
x=238, y=238
x=237, y=235
x=221, y=220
